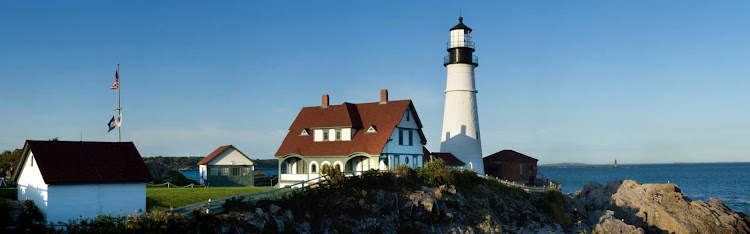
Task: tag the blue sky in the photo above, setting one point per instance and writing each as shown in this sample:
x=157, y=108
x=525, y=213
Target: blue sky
x=562, y=81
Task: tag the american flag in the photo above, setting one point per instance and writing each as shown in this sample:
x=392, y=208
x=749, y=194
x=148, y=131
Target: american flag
x=117, y=80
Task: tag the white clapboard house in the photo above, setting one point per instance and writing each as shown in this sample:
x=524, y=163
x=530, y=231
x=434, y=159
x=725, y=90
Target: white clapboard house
x=351, y=138
x=69, y=179
x=226, y=167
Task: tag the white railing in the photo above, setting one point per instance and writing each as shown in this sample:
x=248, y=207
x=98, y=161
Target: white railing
x=293, y=177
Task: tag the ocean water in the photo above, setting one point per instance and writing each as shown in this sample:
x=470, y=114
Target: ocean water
x=728, y=182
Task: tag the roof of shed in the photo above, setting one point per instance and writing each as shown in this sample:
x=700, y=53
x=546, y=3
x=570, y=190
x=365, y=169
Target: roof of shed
x=62, y=162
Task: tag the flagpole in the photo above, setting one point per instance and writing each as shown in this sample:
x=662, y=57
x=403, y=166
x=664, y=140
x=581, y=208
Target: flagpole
x=119, y=108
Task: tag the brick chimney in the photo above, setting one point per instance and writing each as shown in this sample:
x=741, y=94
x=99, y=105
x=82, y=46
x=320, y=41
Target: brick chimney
x=325, y=101
x=383, y=96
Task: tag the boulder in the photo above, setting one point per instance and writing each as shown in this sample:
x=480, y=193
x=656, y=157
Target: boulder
x=657, y=208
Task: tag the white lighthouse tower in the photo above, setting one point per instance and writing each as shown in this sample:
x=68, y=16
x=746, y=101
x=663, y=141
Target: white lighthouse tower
x=460, y=119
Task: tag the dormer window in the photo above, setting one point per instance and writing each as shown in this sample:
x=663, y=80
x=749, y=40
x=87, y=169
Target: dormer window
x=371, y=129
x=325, y=135
x=304, y=132
x=338, y=135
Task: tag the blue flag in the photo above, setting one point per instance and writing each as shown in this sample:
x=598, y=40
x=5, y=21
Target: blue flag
x=112, y=124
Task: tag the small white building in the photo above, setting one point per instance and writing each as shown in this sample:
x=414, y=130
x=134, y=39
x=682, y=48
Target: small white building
x=68, y=179
x=351, y=138
x=226, y=167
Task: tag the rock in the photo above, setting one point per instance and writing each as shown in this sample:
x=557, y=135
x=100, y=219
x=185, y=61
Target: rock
x=609, y=224
x=259, y=211
x=303, y=227
x=658, y=208
x=274, y=209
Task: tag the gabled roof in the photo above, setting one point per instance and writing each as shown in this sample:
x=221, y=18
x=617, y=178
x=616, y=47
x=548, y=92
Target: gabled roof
x=508, y=156
x=218, y=151
x=448, y=158
x=67, y=162
x=359, y=116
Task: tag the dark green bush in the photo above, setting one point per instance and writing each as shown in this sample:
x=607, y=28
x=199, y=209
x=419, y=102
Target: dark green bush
x=435, y=173
x=466, y=181
x=554, y=204
x=333, y=175
x=28, y=216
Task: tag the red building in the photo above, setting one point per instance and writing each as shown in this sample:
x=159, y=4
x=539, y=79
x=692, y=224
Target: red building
x=511, y=165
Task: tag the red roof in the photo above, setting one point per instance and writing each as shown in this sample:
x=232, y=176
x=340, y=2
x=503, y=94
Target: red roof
x=62, y=162
x=384, y=117
x=448, y=158
x=216, y=152
x=508, y=156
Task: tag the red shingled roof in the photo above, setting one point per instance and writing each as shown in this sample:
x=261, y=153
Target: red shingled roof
x=214, y=154
x=448, y=158
x=62, y=162
x=384, y=116
x=508, y=156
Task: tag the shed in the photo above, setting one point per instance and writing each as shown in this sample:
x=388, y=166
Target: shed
x=511, y=165
x=226, y=167
x=68, y=179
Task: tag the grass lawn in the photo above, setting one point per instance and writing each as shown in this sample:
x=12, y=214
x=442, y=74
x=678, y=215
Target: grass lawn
x=162, y=198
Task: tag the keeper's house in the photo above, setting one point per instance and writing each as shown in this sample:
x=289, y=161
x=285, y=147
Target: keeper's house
x=226, y=167
x=68, y=179
x=351, y=138
x=511, y=165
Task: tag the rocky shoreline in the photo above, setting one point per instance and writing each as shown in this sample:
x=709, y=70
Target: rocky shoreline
x=619, y=207
x=626, y=206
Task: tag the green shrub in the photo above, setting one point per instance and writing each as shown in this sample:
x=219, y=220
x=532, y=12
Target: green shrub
x=333, y=175
x=554, y=204
x=435, y=173
x=466, y=181
x=30, y=215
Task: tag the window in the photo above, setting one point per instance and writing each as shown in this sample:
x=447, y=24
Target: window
x=325, y=135
x=235, y=171
x=520, y=169
x=304, y=133
x=411, y=137
x=245, y=171
x=400, y=136
x=406, y=160
x=314, y=168
x=214, y=171
x=224, y=171
x=338, y=135
x=371, y=129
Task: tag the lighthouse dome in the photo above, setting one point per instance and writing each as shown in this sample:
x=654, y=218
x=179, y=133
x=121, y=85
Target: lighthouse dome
x=461, y=25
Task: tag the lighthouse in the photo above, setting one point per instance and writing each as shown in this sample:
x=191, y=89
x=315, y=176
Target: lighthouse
x=460, y=135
